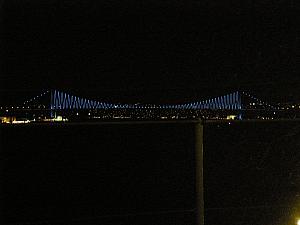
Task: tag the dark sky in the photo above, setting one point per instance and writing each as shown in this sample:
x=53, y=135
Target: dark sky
x=151, y=50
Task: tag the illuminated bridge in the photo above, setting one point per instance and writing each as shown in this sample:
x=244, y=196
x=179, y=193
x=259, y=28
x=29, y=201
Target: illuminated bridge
x=65, y=104
x=60, y=100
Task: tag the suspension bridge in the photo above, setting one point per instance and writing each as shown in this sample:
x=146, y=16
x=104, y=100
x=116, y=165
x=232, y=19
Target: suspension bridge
x=59, y=100
x=66, y=104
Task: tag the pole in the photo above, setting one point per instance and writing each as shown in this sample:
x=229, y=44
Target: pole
x=199, y=173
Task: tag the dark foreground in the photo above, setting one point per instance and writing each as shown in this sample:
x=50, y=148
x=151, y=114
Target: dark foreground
x=252, y=173
x=124, y=174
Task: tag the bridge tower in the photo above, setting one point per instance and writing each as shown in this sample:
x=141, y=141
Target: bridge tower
x=52, y=107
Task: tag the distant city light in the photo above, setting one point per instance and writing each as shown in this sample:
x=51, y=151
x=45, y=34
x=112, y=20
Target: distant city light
x=196, y=109
x=21, y=121
x=58, y=118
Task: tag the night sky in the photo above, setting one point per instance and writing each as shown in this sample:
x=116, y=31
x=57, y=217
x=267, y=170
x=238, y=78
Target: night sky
x=151, y=51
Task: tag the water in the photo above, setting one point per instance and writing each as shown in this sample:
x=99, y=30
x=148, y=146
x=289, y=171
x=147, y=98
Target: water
x=79, y=171
x=144, y=174
x=252, y=173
